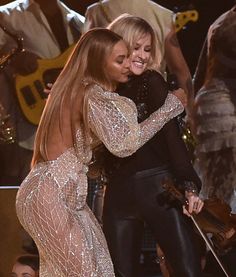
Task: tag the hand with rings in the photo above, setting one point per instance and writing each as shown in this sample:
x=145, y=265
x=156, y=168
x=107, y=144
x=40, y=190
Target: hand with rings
x=195, y=203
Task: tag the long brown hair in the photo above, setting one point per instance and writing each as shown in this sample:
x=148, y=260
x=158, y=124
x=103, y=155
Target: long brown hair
x=132, y=28
x=87, y=62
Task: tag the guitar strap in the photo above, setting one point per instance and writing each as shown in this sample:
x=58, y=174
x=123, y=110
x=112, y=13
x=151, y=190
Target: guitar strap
x=104, y=12
x=75, y=29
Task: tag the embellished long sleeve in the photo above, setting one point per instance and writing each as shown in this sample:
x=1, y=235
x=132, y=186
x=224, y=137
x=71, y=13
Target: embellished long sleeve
x=113, y=119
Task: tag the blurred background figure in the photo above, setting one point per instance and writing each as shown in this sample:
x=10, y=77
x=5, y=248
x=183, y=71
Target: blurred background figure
x=45, y=30
x=215, y=128
x=215, y=118
x=26, y=266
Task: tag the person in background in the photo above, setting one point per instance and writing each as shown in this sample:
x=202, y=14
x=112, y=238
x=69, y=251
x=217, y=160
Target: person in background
x=26, y=266
x=215, y=126
x=47, y=28
x=214, y=118
x=82, y=111
x=134, y=195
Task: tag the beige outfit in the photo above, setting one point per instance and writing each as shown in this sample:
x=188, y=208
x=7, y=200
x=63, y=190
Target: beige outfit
x=160, y=18
x=26, y=19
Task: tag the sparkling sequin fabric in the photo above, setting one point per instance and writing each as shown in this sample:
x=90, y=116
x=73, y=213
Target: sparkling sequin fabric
x=51, y=202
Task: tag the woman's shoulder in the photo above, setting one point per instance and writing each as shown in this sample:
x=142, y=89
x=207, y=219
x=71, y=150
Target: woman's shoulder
x=95, y=90
x=153, y=75
x=153, y=79
x=97, y=93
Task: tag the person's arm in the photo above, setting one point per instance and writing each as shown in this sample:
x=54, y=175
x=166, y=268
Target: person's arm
x=20, y=61
x=179, y=156
x=177, y=152
x=177, y=65
x=113, y=119
x=200, y=73
x=175, y=148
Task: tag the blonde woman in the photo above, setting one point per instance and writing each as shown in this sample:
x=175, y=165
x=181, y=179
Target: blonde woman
x=134, y=191
x=81, y=111
x=103, y=12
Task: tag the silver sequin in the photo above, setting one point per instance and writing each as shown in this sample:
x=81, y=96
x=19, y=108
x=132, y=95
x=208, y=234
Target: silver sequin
x=51, y=202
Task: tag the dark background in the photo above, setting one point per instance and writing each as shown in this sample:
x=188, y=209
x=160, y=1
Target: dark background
x=192, y=36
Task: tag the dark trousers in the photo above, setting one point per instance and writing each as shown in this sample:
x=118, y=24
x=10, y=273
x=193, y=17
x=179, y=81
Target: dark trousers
x=137, y=200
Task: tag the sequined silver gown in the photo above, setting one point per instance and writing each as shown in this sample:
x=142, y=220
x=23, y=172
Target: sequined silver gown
x=51, y=202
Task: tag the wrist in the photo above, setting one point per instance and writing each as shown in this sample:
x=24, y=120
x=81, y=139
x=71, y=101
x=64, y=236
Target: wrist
x=191, y=188
x=190, y=193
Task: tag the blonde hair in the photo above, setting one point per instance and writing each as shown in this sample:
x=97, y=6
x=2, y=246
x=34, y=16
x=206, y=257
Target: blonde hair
x=87, y=62
x=132, y=28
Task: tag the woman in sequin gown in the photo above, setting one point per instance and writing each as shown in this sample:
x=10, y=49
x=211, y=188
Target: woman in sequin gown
x=81, y=111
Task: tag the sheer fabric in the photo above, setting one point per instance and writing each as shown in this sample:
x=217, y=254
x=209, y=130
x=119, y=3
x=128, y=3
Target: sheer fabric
x=51, y=202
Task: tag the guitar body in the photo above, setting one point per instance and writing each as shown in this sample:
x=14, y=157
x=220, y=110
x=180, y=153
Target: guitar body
x=30, y=88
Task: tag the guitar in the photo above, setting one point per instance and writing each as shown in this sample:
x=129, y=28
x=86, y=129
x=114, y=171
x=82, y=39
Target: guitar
x=182, y=18
x=30, y=88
